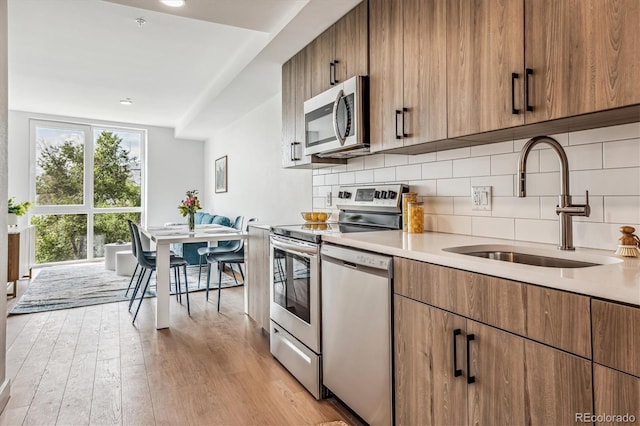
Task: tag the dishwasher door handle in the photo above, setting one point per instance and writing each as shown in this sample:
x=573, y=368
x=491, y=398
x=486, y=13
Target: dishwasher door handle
x=350, y=265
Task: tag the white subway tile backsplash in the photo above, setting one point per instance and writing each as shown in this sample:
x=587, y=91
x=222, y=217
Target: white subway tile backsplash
x=384, y=175
x=492, y=227
x=605, y=161
x=409, y=172
x=438, y=205
x=507, y=164
x=462, y=207
x=543, y=184
x=475, y=166
x=318, y=180
x=585, y=157
x=391, y=160
x=424, y=187
x=523, y=208
x=454, y=224
x=538, y=231
x=606, y=181
x=440, y=169
x=492, y=149
x=602, y=236
x=622, y=210
x=422, y=158
x=454, y=187
x=430, y=222
x=502, y=186
x=332, y=179
x=602, y=134
x=624, y=153
x=364, y=176
x=453, y=154
x=374, y=161
x=355, y=164
x=347, y=178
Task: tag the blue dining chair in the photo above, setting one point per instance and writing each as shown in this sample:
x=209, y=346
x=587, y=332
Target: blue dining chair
x=149, y=263
x=222, y=247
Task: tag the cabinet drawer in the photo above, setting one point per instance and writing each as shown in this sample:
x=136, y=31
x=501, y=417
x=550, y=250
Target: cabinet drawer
x=616, y=336
x=554, y=317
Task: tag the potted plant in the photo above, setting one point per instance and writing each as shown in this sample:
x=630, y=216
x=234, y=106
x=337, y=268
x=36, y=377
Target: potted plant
x=189, y=206
x=15, y=210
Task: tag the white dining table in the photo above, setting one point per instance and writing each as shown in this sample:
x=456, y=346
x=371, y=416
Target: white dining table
x=163, y=236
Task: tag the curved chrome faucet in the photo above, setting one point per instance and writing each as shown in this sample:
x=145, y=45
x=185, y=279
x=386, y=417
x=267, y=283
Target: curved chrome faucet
x=565, y=210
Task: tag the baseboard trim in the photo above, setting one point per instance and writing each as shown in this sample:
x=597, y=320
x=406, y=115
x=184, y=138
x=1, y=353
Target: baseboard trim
x=5, y=394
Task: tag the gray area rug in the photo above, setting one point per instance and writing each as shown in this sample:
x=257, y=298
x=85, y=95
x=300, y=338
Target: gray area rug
x=72, y=286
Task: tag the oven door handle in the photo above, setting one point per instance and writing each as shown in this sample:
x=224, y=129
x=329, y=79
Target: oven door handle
x=307, y=252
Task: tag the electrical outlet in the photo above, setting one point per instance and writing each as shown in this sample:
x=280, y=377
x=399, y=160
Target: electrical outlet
x=481, y=198
x=329, y=200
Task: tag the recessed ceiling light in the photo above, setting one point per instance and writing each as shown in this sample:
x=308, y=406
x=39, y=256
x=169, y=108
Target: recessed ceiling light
x=173, y=3
x=126, y=101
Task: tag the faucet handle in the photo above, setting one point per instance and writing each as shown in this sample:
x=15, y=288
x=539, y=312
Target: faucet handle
x=587, y=208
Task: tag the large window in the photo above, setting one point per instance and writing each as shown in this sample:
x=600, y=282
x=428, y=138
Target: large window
x=87, y=182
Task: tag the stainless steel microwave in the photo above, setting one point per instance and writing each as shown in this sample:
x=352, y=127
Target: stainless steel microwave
x=336, y=121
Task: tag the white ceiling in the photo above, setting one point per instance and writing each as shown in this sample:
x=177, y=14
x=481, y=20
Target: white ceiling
x=195, y=69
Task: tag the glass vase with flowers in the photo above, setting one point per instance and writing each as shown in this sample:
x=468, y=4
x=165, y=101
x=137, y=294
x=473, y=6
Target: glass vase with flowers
x=189, y=206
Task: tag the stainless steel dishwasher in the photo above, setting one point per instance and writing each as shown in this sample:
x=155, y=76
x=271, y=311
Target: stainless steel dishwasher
x=356, y=330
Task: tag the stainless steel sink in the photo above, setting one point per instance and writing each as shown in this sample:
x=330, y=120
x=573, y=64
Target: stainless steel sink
x=526, y=256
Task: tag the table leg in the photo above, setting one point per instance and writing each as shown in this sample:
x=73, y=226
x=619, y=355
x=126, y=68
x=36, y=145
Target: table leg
x=162, y=289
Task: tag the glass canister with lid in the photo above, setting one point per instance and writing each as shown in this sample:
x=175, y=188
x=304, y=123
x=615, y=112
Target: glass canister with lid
x=407, y=197
x=415, y=219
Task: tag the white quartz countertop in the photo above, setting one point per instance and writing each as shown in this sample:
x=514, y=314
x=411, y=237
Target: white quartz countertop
x=617, y=279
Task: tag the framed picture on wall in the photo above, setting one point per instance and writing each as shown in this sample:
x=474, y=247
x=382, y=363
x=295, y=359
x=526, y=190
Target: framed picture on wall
x=221, y=174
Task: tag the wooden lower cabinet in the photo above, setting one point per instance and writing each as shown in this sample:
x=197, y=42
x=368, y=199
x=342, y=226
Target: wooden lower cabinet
x=615, y=394
x=258, y=276
x=506, y=379
x=426, y=389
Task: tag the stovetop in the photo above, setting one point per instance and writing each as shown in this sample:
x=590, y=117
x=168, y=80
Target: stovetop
x=313, y=231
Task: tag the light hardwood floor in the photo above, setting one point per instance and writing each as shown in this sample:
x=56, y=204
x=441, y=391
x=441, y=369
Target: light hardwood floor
x=92, y=366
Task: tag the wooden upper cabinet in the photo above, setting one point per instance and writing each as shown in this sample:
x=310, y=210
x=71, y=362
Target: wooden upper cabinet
x=584, y=56
x=351, y=43
x=616, y=336
x=425, y=68
x=341, y=51
x=485, y=48
x=289, y=70
x=407, y=72
x=320, y=56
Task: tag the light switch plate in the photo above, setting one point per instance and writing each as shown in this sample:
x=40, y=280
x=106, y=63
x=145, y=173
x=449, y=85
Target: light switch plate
x=329, y=200
x=481, y=198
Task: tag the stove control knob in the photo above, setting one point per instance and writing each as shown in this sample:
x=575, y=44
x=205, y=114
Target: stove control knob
x=347, y=194
x=383, y=195
x=376, y=194
x=392, y=195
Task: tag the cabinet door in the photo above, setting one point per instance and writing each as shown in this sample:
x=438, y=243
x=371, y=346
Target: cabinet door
x=518, y=381
x=257, y=270
x=385, y=73
x=616, y=336
x=352, y=43
x=584, y=56
x=288, y=112
x=425, y=89
x=615, y=393
x=426, y=389
x=485, y=46
x=302, y=89
x=321, y=54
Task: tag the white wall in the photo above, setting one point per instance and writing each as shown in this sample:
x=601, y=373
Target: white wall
x=4, y=96
x=258, y=185
x=173, y=165
x=605, y=161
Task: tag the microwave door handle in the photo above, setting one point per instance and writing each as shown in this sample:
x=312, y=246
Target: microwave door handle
x=340, y=138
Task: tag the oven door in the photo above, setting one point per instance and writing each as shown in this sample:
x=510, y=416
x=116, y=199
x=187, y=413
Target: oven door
x=294, y=289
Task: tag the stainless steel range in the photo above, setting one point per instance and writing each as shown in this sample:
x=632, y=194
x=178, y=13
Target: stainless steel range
x=295, y=306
